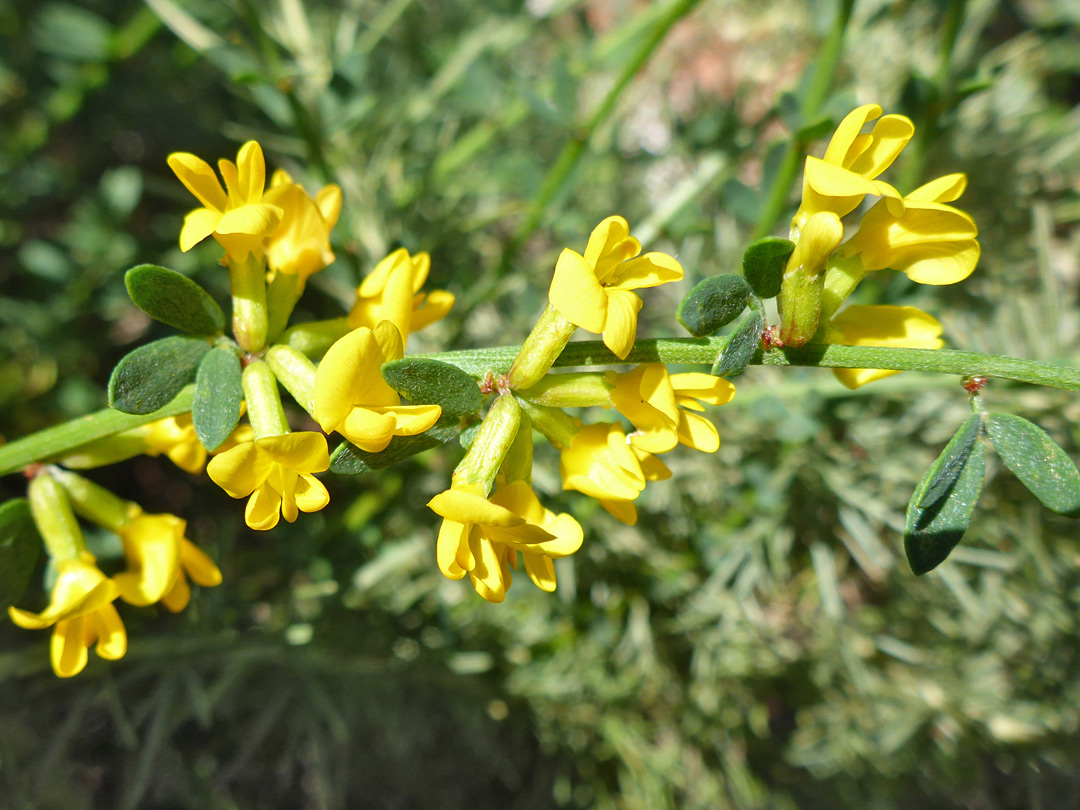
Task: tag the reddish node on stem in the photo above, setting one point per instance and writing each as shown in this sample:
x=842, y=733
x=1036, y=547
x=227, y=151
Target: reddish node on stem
x=488, y=385
x=770, y=338
x=32, y=470
x=974, y=383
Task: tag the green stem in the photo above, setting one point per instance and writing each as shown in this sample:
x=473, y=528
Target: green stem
x=824, y=69
x=56, y=440
x=46, y=444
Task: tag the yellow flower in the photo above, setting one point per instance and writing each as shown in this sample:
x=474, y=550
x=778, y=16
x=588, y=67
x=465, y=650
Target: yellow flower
x=594, y=291
x=602, y=464
x=158, y=556
x=301, y=244
x=482, y=537
x=392, y=292
x=660, y=407
x=352, y=398
x=905, y=327
x=81, y=609
x=838, y=182
x=236, y=216
x=276, y=472
x=175, y=437
x=931, y=242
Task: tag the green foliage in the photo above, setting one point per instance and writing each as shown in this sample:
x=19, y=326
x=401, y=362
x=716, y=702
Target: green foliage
x=215, y=410
x=742, y=344
x=19, y=550
x=174, y=299
x=763, y=264
x=1037, y=461
x=151, y=376
x=432, y=382
x=940, y=510
x=713, y=303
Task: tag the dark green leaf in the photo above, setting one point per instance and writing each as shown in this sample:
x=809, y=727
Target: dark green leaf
x=215, y=410
x=790, y=109
x=742, y=343
x=763, y=265
x=19, y=548
x=351, y=460
x=931, y=534
x=1037, y=461
x=713, y=303
x=432, y=382
x=951, y=461
x=149, y=377
x=174, y=299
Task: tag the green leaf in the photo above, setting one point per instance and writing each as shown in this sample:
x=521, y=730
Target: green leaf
x=432, y=382
x=763, y=265
x=149, y=377
x=951, y=461
x=351, y=460
x=19, y=549
x=1037, y=461
x=741, y=345
x=713, y=303
x=932, y=533
x=174, y=299
x=215, y=410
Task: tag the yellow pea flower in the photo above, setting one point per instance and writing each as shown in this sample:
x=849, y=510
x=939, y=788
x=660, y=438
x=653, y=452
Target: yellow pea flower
x=352, y=398
x=481, y=537
x=839, y=181
x=933, y=243
x=80, y=607
x=904, y=327
x=236, y=216
x=276, y=471
x=300, y=245
x=175, y=437
x=601, y=463
x=392, y=292
x=660, y=406
x=158, y=557
x=594, y=291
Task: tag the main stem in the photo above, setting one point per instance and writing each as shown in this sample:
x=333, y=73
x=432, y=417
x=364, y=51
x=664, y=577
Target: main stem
x=683, y=351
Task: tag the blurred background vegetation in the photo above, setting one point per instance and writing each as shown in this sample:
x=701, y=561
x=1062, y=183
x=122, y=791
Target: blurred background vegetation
x=757, y=640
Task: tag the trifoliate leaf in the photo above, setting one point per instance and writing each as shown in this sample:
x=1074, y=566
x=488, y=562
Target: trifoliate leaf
x=763, y=265
x=149, y=377
x=174, y=299
x=951, y=461
x=931, y=534
x=215, y=408
x=713, y=303
x=742, y=344
x=432, y=382
x=19, y=548
x=1037, y=461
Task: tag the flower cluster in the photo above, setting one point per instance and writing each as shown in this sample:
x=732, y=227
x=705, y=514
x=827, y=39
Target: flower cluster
x=918, y=234
x=158, y=556
x=483, y=531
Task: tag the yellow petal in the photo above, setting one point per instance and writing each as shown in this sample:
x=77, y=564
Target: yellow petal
x=241, y=470
x=397, y=298
x=568, y=535
x=623, y=511
x=263, y=509
x=467, y=507
x=890, y=135
x=488, y=571
x=251, y=168
x=303, y=451
x=706, y=387
x=368, y=430
x=389, y=339
x=540, y=570
x=109, y=629
x=310, y=494
x=67, y=648
x=820, y=236
x=178, y=597
x=421, y=266
x=576, y=293
x=199, y=178
x=937, y=262
x=649, y=270
x=453, y=539
x=942, y=190
x=198, y=225
x=250, y=220
x=375, y=281
x=280, y=178
x=620, y=328
x=328, y=201
x=698, y=432
x=343, y=375
x=883, y=326
x=839, y=151
x=610, y=244
x=198, y=565
x=409, y=420
x=436, y=306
